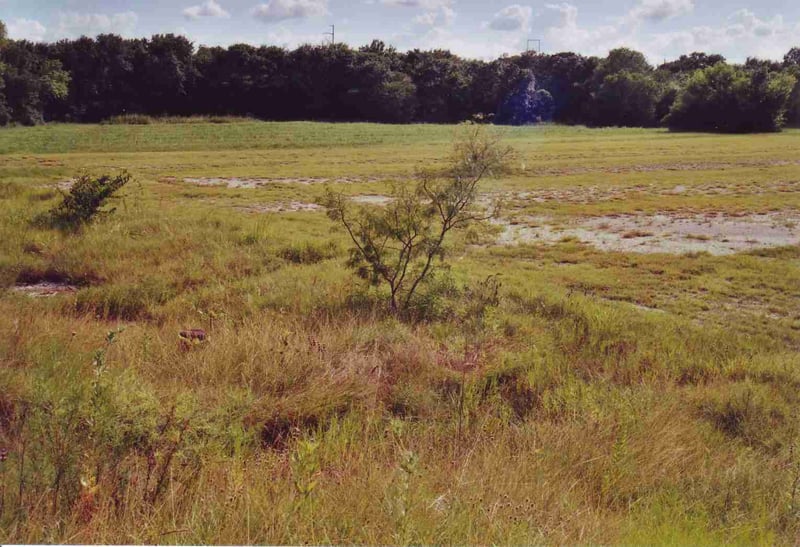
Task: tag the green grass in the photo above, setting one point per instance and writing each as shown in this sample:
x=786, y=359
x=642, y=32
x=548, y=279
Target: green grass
x=614, y=397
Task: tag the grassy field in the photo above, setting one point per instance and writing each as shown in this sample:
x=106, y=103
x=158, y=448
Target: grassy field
x=638, y=382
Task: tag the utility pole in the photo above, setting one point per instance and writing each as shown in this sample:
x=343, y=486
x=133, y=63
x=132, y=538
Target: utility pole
x=332, y=34
x=538, y=45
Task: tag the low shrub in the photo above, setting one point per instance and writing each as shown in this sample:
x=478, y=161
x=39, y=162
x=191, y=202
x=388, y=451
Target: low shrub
x=84, y=201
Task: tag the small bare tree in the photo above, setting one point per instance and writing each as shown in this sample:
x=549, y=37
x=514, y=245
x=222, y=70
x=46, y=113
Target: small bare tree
x=398, y=245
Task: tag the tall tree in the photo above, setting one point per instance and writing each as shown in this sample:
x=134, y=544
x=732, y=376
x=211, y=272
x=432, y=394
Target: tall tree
x=625, y=91
x=30, y=81
x=165, y=74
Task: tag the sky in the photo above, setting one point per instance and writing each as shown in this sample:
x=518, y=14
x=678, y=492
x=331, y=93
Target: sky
x=661, y=29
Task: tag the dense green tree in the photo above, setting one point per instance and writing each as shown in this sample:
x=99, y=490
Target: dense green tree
x=626, y=99
x=526, y=105
x=30, y=81
x=103, y=79
x=622, y=60
x=443, y=85
x=730, y=99
x=165, y=74
x=755, y=64
x=689, y=63
x=256, y=77
x=492, y=83
x=380, y=91
x=625, y=92
x=91, y=79
x=5, y=114
x=567, y=77
x=792, y=58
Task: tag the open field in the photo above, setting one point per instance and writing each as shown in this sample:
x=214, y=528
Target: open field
x=639, y=381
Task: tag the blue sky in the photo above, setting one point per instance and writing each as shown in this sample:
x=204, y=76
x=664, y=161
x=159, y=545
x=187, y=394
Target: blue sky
x=662, y=29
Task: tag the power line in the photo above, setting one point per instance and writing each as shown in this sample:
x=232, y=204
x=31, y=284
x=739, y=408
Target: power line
x=538, y=44
x=332, y=34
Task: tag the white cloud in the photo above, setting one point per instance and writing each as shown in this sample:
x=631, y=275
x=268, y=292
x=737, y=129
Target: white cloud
x=743, y=35
x=429, y=5
x=73, y=25
x=746, y=22
x=661, y=10
x=563, y=33
x=567, y=14
x=26, y=29
x=207, y=9
x=441, y=17
x=435, y=14
x=286, y=38
x=278, y=10
x=472, y=46
x=512, y=18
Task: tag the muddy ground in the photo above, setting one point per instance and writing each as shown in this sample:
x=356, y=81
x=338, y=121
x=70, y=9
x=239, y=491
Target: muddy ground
x=715, y=233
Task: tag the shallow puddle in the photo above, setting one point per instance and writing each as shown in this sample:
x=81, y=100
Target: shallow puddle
x=716, y=234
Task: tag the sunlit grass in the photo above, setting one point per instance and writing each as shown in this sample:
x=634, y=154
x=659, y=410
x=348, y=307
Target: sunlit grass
x=613, y=397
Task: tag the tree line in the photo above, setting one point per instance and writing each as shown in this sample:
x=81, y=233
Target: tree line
x=93, y=79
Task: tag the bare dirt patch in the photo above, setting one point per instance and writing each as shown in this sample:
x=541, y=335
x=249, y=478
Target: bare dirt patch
x=44, y=289
x=283, y=207
x=372, y=199
x=696, y=166
x=714, y=233
x=250, y=183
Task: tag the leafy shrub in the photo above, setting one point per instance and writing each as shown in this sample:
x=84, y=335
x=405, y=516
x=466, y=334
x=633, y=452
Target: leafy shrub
x=732, y=100
x=84, y=201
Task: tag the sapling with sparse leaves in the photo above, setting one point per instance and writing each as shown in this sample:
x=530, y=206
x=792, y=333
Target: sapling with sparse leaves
x=399, y=245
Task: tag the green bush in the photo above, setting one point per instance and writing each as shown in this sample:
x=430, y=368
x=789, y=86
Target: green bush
x=84, y=201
